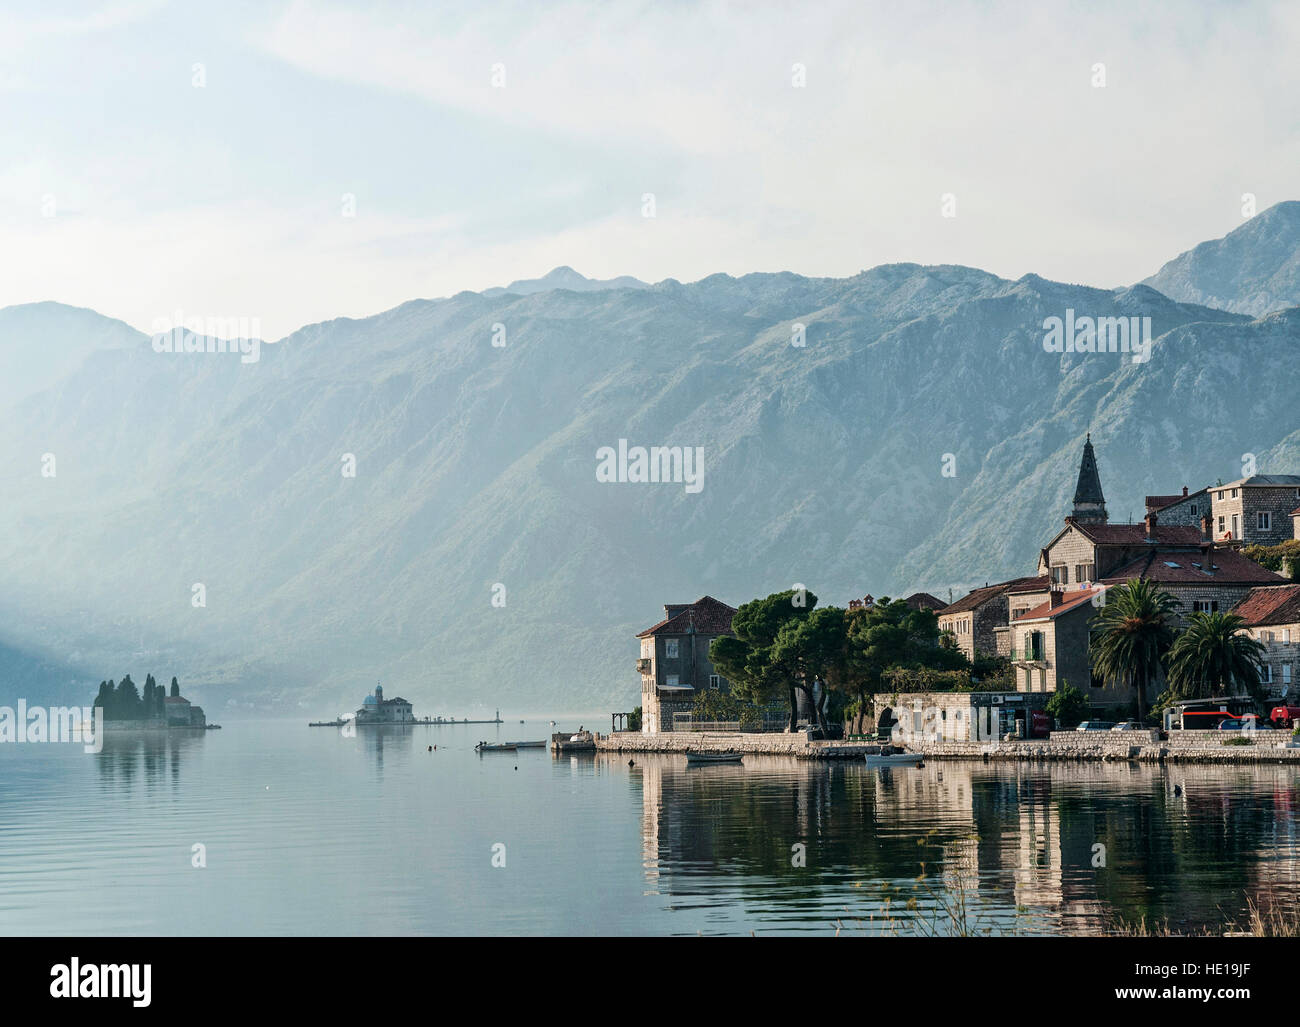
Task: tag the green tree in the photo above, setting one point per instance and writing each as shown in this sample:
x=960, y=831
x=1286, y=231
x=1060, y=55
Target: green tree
x=128, y=703
x=809, y=650
x=747, y=659
x=1212, y=657
x=889, y=639
x=1067, y=705
x=176, y=689
x=1131, y=634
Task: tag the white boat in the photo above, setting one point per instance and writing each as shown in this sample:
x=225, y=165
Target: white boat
x=495, y=747
x=713, y=757
x=528, y=745
x=894, y=759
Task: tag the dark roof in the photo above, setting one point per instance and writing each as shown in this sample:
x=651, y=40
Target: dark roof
x=1089, y=488
x=1069, y=601
x=1229, y=567
x=1263, y=481
x=1156, y=503
x=924, y=601
x=1270, y=606
x=705, y=616
x=1136, y=534
x=978, y=597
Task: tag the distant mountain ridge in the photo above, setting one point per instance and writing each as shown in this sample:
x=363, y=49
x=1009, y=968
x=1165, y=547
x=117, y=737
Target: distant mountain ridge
x=1254, y=269
x=565, y=278
x=475, y=467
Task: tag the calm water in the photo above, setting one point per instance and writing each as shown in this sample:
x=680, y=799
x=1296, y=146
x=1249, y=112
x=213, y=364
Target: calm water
x=310, y=832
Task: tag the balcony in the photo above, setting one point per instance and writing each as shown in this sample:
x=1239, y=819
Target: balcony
x=643, y=665
x=1031, y=655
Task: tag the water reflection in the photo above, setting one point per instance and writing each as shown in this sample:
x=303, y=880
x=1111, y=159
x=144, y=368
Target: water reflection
x=1018, y=847
x=152, y=757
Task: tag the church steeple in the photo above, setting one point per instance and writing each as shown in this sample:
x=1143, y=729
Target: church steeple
x=1089, y=503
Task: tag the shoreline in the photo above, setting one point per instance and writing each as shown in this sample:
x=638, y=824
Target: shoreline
x=1055, y=749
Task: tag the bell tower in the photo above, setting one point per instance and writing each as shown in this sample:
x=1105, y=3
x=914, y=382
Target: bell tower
x=1089, y=503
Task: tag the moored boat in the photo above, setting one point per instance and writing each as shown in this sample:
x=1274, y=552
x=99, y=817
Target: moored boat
x=701, y=758
x=893, y=759
x=495, y=747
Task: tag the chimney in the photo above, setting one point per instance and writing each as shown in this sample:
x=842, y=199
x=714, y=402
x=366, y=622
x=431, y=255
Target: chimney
x=1057, y=597
x=1184, y=490
x=1151, y=526
x=1205, y=529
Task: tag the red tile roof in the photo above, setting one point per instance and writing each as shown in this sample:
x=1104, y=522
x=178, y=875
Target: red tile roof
x=978, y=597
x=1270, y=606
x=1229, y=567
x=1136, y=534
x=707, y=616
x=1069, y=601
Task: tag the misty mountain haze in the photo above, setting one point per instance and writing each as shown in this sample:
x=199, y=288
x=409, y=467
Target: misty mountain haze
x=475, y=466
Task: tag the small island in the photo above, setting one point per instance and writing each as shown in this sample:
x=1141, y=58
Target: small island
x=124, y=705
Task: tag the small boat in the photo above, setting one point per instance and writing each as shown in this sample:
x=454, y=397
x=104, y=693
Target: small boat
x=894, y=759
x=495, y=747
x=528, y=745
x=701, y=758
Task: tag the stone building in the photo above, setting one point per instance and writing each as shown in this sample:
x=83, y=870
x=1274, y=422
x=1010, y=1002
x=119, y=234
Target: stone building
x=975, y=619
x=1187, y=509
x=1257, y=510
x=924, y=601
x=674, y=662
x=1050, y=646
x=1272, y=618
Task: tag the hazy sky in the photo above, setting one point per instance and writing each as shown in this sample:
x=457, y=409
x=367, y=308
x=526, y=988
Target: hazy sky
x=126, y=187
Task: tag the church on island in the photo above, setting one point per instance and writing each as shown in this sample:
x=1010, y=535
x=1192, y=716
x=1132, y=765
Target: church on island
x=375, y=709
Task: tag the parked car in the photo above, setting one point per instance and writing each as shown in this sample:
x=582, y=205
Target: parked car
x=1248, y=722
x=1129, y=725
x=1095, y=725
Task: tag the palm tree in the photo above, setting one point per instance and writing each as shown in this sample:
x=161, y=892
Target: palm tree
x=1212, y=657
x=1131, y=634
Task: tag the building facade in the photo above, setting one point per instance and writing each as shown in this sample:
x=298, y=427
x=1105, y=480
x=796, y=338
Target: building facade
x=674, y=660
x=1255, y=511
x=1272, y=618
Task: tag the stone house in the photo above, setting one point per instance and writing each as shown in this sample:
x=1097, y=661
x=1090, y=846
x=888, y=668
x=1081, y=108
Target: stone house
x=1272, y=618
x=976, y=619
x=674, y=660
x=1185, y=509
x=1050, y=646
x=1258, y=510
x=1207, y=579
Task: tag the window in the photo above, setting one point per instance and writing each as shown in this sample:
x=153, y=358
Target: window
x=1194, y=510
x=1060, y=574
x=1205, y=605
x=1268, y=674
x=1234, y=493
x=671, y=681
x=670, y=649
x=714, y=681
x=1220, y=497
x=1286, y=635
x=1286, y=673
x=1221, y=524
x=1083, y=572
x=1264, y=520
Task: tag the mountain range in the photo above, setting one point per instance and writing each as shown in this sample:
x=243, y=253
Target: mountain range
x=413, y=497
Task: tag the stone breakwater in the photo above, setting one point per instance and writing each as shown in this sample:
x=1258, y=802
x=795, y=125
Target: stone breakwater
x=1144, y=747
x=782, y=743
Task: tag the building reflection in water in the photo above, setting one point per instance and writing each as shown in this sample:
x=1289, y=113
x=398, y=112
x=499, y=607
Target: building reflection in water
x=150, y=757
x=1027, y=847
